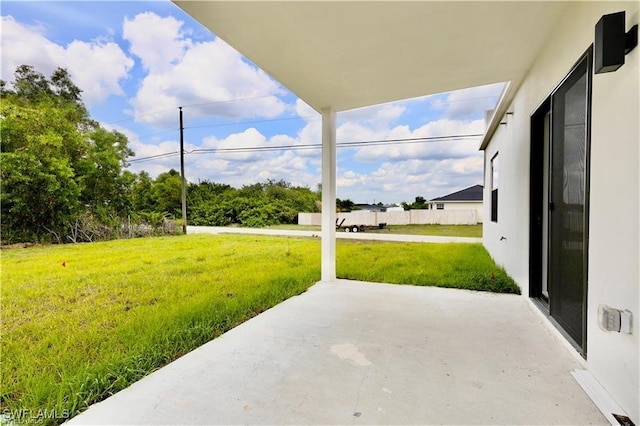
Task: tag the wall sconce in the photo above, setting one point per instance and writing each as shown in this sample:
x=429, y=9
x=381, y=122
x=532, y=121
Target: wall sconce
x=612, y=42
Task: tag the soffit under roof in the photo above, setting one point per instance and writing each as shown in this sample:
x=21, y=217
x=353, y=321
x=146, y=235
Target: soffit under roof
x=347, y=55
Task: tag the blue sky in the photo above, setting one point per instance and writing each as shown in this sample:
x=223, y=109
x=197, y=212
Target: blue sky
x=136, y=62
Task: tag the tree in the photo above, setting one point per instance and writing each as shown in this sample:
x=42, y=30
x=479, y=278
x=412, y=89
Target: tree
x=104, y=187
x=345, y=205
x=63, y=176
x=62, y=86
x=31, y=86
x=166, y=193
x=259, y=204
x=419, y=204
x=204, y=191
x=57, y=163
x=141, y=193
x=39, y=186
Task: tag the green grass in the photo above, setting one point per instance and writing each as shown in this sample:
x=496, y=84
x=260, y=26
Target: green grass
x=73, y=335
x=465, y=266
x=437, y=230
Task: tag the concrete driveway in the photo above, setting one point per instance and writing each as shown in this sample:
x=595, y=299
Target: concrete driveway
x=342, y=235
x=362, y=353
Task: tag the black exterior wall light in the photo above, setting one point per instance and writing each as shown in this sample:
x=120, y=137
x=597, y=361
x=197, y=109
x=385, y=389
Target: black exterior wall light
x=613, y=42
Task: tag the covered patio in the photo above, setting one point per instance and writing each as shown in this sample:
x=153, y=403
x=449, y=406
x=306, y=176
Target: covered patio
x=363, y=353
x=338, y=56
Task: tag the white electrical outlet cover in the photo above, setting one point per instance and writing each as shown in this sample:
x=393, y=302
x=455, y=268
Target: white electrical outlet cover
x=626, y=321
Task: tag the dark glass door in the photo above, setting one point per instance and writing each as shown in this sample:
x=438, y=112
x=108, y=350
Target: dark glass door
x=568, y=189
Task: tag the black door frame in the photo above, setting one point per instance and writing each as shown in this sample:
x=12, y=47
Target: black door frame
x=536, y=197
x=536, y=208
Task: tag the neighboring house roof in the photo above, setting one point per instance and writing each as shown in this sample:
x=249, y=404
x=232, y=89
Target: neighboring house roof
x=473, y=193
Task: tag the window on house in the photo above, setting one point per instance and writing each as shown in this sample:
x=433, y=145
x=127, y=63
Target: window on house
x=440, y=206
x=494, y=188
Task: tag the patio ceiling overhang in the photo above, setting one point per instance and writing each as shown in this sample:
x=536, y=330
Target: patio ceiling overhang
x=338, y=56
x=345, y=55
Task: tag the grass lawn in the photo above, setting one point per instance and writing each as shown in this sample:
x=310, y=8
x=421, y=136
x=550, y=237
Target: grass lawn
x=80, y=322
x=465, y=266
x=74, y=334
x=438, y=230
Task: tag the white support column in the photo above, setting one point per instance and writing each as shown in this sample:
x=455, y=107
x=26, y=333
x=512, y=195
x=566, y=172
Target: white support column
x=328, y=195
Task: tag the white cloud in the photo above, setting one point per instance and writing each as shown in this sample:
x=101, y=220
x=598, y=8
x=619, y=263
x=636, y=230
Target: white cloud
x=209, y=75
x=394, y=180
x=378, y=116
x=250, y=138
x=350, y=178
x=97, y=67
x=158, y=42
x=143, y=150
x=469, y=102
x=397, y=178
x=394, y=173
x=405, y=170
x=182, y=71
x=436, y=149
x=311, y=133
x=305, y=111
x=235, y=169
x=404, y=180
x=356, y=132
x=429, y=169
x=238, y=169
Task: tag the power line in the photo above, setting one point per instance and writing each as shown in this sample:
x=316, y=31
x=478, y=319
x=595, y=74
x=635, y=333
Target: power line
x=427, y=139
x=410, y=140
x=287, y=147
x=152, y=157
x=339, y=144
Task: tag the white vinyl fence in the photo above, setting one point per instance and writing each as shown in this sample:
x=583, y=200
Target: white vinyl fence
x=410, y=217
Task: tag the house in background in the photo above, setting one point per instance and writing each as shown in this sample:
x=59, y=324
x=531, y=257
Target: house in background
x=374, y=208
x=465, y=199
x=562, y=136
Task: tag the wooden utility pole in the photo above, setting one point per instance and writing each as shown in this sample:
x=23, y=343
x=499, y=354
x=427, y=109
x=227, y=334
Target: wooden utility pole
x=184, y=180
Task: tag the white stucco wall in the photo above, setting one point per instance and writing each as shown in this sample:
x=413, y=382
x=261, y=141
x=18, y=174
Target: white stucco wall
x=493, y=232
x=614, y=252
x=614, y=231
x=463, y=205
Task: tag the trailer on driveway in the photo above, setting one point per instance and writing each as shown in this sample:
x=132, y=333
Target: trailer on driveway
x=358, y=228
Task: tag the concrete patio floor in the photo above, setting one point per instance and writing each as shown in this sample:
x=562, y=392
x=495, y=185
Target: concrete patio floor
x=363, y=353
